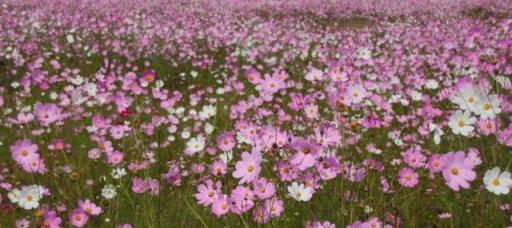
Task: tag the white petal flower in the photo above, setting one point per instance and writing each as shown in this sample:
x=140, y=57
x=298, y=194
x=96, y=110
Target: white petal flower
x=496, y=182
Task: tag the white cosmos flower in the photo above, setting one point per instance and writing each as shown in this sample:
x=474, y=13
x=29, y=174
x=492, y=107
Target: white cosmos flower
x=462, y=123
x=195, y=145
x=299, y=192
x=70, y=38
x=108, y=191
x=208, y=128
x=207, y=112
x=432, y=84
x=364, y=53
x=117, y=173
x=28, y=197
x=497, y=183
x=488, y=107
x=467, y=97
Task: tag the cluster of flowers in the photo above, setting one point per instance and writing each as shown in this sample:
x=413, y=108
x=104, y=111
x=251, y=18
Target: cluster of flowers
x=256, y=120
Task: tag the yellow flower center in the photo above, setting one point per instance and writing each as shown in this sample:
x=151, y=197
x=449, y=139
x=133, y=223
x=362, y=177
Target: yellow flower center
x=487, y=106
x=461, y=123
x=250, y=168
x=471, y=100
x=29, y=198
x=24, y=153
x=496, y=182
x=455, y=171
x=224, y=206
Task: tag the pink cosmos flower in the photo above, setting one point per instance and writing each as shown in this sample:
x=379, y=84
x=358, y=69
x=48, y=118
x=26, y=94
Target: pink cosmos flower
x=435, y=163
x=51, y=220
x=458, y=170
x=274, y=206
x=286, y=171
x=22, y=118
x=319, y=224
x=148, y=76
x=306, y=154
x=253, y=76
x=241, y=200
x=355, y=94
x=329, y=168
x=220, y=206
x=139, y=185
x=117, y=132
x=414, y=158
x=264, y=189
x=407, y=177
x=35, y=166
x=78, y=217
x=271, y=84
x=225, y=141
x=487, y=126
x=249, y=167
x=114, y=158
x=208, y=192
x=24, y=152
x=261, y=215
x=47, y=113
x=89, y=207
x=218, y=168
x=327, y=135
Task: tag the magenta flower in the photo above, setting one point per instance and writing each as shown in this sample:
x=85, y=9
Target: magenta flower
x=139, y=185
x=458, y=170
x=435, y=163
x=218, y=168
x=148, y=76
x=407, y=177
x=241, y=200
x=225, y=141
x=208, y=192
x=261, y=215
x=220, y=206
x=114, y=158
x=51, y=220
x=249, y=167
x=286, y=171
x=272, y=84
x=306, y=154
x=414, y=158
x=89, y=207
x=264, y=189
x=24, y=152
x=78, y=218
x=253, y=76
x=47, y=113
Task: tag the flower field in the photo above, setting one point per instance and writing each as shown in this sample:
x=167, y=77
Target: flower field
x=235, y=113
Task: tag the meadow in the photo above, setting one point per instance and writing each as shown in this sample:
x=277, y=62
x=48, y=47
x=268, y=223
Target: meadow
x=234, y=113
